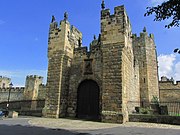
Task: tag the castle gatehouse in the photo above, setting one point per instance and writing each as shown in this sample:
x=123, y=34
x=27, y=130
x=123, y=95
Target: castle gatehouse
x=105, y=82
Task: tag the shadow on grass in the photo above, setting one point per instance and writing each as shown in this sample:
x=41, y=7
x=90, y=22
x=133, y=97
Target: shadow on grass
x=30, y=130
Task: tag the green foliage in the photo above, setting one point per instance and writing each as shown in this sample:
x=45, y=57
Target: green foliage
x=167, y=10
x=144, y=110
x=174, y=114
x=155, y=100
x=177, y=50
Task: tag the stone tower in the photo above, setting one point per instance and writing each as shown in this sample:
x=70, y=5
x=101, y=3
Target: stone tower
x=118, y=71
x=62, y=41
x=105, y=82
x=4, y=82
x=145, y=52
x=31, y=90
x=32, y=87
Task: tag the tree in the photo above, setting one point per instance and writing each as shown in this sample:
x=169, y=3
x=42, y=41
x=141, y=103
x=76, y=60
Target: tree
x=177, y=50
x=167, y=10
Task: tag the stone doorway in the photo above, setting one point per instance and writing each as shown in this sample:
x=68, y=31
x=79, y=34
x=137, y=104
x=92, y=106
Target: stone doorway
x=88, y=100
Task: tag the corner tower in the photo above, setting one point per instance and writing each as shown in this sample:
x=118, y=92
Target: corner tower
x=117, y=71
x=145, y=52
x=32, y=87
x=61, y=43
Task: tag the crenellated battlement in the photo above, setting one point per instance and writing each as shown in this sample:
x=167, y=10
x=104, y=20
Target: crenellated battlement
x=116, y=27
x=105, y=14
x=13, y=89
x=63, y=37
x=168, y=84
x=143, y=35
x=118, y=11
x=84, y=50
x=95, y=49
x=34, y=77
x=169, y=89
x=173, y=83
x=4, y=78
x=119, y=17
x=81, y=51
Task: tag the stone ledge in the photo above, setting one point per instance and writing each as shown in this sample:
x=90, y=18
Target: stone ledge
x=164, y=119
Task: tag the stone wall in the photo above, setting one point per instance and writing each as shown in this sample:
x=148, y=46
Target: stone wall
x=169, y=91
x=16, y=94
x=24, y=98
x=164, y=119
x=33, y=90
x=41, y=92
x=24, y=107
x=78, y=73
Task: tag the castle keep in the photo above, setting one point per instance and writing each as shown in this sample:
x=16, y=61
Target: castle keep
x=106, y=82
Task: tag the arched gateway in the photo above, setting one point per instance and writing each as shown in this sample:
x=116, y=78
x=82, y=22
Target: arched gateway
x=88, y=100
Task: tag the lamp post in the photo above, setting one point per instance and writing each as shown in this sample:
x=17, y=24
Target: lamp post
x=10, y=86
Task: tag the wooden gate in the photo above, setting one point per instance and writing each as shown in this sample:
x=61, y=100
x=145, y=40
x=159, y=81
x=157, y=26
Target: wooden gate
x=88, y=100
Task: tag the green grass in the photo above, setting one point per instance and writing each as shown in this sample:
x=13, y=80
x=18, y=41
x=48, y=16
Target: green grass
x=174, y=114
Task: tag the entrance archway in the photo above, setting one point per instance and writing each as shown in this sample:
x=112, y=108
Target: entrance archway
x=88, y=100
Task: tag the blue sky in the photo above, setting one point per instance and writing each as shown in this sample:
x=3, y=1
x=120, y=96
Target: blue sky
x=24, y=28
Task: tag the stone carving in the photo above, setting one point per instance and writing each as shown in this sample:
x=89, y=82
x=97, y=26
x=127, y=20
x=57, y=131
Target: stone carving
x=88, y=66
x=53, y=19
x=65, y=16
x=103, y=5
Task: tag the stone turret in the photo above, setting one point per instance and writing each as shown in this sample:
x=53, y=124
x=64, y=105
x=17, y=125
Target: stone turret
x=4, y=82
x=118, y=71
x=61, y=44
x=145, y=52
x=32, y=87
x=116, y=27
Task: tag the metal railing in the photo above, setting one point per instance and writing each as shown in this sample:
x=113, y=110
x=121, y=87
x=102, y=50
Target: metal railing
x=170, y=108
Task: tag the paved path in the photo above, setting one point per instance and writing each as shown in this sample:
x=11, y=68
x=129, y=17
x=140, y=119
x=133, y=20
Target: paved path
x=21, y=126
x=43, y=126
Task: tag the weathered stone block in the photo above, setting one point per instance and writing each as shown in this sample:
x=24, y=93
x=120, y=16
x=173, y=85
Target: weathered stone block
x=12, y=114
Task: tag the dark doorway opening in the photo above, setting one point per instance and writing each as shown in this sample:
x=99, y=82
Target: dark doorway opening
x=88, y=100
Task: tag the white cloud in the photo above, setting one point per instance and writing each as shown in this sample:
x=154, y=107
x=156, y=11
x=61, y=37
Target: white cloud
x=169, y=66
x=157, y=2
x=166, y=64
x=18, y=76
x=177, y=71
x=2, y=22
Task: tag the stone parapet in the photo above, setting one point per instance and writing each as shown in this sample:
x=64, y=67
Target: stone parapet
x=169, y=91
x=14, y=89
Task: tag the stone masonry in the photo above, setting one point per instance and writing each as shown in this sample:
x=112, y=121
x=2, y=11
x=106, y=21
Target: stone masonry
x=145, y=54
x=169, y=90
x=33, y=90
x=4, y=82
x=106, y=82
